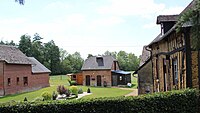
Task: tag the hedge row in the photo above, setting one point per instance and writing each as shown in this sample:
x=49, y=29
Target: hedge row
x=186, y=101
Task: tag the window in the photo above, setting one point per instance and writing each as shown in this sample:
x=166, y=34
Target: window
x=74, y=76
x=120, y=78
x=17, y=80
x=99, y=60
x=9, y=81
x=175, y=72
x=25, y=79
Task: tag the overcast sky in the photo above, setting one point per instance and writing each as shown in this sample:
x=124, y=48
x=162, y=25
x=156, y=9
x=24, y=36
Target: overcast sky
x=87, y=26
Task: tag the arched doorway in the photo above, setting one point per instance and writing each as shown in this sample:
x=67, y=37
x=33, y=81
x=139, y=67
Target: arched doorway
x=98, y=80
x=87, y=80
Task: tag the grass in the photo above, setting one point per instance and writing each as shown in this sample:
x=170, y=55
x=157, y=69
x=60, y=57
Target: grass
x=63, y=80
x=134, y=80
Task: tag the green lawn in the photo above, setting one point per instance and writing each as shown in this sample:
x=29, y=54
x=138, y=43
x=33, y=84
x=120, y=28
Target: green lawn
x=134, y=80
x=62, y=80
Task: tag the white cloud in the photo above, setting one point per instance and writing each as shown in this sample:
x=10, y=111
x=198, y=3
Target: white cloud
x=150, y=26
x=131, y=8
x=105, y=22
x=75, y=20
x=57, y=5
x=171, y=10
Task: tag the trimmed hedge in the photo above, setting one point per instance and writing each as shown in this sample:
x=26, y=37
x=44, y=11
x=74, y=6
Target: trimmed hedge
x=185, y=101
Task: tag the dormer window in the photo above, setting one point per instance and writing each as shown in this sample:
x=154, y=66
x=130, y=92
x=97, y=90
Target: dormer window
x=99, y=61
x=162, y=29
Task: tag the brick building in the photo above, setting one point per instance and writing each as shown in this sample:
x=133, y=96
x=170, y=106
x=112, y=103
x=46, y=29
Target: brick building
x=103, y=70
x=19, y=73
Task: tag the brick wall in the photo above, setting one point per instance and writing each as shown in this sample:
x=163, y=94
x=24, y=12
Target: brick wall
x=13, y=71
x=39, y=80
x=1, y=79
x=16, y=74
x=105, y=76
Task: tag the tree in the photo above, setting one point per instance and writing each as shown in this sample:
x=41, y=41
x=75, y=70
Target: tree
x=52, y=57
x=8, y=43
x=191, y=16
x=37, y=48
x=127, y=61
x=89, y=55
x=20, y=1
x=25, y=45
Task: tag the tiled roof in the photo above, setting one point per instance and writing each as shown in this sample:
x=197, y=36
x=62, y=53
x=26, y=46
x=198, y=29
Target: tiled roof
x=91, y=63
x=187, y=24
x=13, y=55
x=37, y=67
x=166, y=18
x=145, y=56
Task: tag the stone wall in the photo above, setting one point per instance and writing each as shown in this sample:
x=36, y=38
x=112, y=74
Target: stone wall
x=145, y=80
x=195, y=73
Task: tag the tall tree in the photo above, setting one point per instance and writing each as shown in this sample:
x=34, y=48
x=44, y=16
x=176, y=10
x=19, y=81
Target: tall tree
x=52, y=57
x=25, y=45
x=37, y=48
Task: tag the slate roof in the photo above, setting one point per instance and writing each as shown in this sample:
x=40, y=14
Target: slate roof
x=145, y=56
x=121, y=72
x=91, y=63
x=167, y=18
x=37, y=67
x=13, y=55
x=187, y=24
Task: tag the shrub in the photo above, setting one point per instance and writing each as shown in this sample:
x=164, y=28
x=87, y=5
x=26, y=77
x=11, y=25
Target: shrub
x=88, y=90
x=38, y=99
x=74, y=90
x=67, y=93
x=69, y=81
x=46, y=95
x=186, y=101
x=54, y=95
x=73, y=83
x=61, y=89
x=80, y=91
x=25, y=99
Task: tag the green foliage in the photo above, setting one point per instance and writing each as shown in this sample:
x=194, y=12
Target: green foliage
x=74, y=90
x=61, y=89
x=46, y=95
x=54, y=95
x=191, y=16
x=25, y=99
x=38, y=99
x=186, y=101
x=127, y=61
x=80, y=91
x=88, y=90
x=25, y=45
x=73, y=82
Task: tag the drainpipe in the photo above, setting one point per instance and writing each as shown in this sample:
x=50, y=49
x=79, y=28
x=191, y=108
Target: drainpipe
x=151, y=65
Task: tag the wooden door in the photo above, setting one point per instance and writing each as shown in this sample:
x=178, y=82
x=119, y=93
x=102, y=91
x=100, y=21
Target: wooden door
x=87, y=80
x=99, y=80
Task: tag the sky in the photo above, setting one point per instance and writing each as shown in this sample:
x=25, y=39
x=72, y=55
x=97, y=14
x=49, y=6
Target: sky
x=87, y=26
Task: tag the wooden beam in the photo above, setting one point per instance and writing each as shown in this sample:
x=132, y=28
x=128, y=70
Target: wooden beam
x=188, y=58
